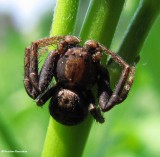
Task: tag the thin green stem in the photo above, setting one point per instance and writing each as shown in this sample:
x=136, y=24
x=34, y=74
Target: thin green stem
x=70, y=141
x=66, y=141
x=136, y=34
x=62, y=140
x=101, y=20
x=138, y=30
x=64, y=17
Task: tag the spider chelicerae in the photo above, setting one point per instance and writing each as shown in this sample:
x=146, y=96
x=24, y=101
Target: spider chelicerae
x=76, y=70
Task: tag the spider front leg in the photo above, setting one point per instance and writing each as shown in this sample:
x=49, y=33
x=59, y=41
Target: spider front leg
x=31, y=91
x=34, y=77
x=31, y=61
x=125, y=82
x=34, y=83
x=42, y=99
x=42, y=81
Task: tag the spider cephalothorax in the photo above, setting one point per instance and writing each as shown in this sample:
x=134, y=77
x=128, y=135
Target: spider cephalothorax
x=76, y=69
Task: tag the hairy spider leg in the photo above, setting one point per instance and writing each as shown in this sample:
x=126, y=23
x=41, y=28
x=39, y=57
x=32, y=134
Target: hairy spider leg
x=43, y=98
x=34, y=58
x=34, y=78
x=128, y=84
x=35, y=83
x=33, y=74
x=95, y=112
x=32, y=92
x=48, y=41
x=126, y=79
x=48, y=70
x=38, y=82
x=31, y=65
x=104, y=90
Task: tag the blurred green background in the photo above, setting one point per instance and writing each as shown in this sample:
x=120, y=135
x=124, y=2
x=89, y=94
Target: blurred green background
x=132, y=129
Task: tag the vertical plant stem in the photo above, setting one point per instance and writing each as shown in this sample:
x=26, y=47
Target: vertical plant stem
x=136, y=34
x=64, y=141
x=101, y=20
x=64, y=17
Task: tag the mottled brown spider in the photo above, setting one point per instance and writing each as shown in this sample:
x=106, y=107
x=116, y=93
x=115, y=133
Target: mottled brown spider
x=76, y=69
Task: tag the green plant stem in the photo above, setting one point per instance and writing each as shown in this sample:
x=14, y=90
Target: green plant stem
x=101, y=21
x=64, y=17
x=136, y=34
x=64, y=141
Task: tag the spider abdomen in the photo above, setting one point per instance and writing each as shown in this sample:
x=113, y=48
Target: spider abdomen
x=68, y=107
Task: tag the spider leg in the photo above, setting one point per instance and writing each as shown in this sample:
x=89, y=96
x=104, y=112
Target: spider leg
x=34, y=78
x=40, y=82
x=35, y=83
x=104, y=90
x=124, y=84
x=118, y=95
x=33, y=74
x=48, y=41
x=128, y=85
x=42, y=99
x=62, y=41
x=48, y=70
x=32, y=92
x=34, y=56
x=95, y=112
